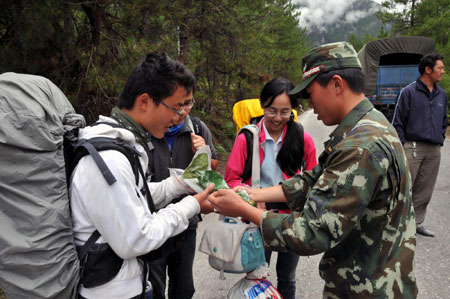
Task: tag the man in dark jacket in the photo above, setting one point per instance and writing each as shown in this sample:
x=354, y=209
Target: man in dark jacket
x=176, y=150
x=421, y=121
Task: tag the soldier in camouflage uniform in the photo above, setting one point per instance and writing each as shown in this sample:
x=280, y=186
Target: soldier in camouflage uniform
x=355, y=206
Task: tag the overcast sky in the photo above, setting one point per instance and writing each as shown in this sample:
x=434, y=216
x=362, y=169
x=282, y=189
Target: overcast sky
x=322, y=12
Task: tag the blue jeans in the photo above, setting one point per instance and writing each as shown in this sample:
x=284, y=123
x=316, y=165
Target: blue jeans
x=179, y=266
x=286, y=267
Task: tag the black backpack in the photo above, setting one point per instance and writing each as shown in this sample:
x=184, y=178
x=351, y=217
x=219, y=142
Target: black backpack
x=99, y=263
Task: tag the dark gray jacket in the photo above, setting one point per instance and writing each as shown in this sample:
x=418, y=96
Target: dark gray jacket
x=421, y=115
x=161, y=158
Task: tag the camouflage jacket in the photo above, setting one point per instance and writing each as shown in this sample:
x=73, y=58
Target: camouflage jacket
x=355, y=206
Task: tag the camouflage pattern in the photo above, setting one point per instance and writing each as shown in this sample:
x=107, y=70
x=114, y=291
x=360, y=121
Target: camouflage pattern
x=355, y=206
x=325, y=58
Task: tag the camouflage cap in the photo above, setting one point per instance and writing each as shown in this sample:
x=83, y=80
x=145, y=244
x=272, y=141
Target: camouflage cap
x=325, y=58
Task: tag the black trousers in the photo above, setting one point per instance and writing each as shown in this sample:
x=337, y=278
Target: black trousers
x=136, y=297
x=178, y=266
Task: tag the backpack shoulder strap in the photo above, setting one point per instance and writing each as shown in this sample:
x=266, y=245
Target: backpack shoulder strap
x=194, y=125
x=91, y=241
x=252, y=167
x=83, y=147
x=248, y=162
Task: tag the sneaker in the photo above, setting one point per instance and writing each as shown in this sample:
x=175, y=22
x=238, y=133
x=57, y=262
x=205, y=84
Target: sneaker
x=424, y=232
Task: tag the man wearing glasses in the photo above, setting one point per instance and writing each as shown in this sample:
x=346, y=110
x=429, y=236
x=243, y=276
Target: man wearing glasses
x=151, y=102
x=176, y=150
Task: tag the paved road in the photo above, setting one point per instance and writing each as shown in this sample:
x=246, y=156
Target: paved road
x=432, y=255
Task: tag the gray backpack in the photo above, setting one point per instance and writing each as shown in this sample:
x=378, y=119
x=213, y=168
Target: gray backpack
x=38, y=258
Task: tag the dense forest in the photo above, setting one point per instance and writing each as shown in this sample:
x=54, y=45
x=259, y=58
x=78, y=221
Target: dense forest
x=88, y=48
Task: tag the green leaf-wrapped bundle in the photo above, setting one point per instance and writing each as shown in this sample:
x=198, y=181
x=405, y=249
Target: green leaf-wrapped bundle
x=199, y=169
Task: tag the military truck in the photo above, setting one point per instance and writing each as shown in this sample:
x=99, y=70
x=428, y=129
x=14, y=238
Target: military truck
x=389, y=64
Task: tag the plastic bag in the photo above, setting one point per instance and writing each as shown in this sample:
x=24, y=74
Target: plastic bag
x=200, y=162
x=253, y=289
x=198, y=175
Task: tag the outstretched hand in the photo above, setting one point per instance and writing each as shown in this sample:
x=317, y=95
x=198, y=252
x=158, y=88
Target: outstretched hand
x=228, y=202
x=252, y=192
x=205, y=205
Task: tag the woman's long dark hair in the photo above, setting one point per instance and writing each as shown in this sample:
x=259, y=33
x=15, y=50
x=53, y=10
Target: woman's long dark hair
x=290, y=156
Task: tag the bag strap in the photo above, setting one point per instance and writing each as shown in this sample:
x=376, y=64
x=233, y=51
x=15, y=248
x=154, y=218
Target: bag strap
x=148, y=195
x=84, y=147
x=91, y=241
x=92, y=146
x=102, y=143
x=248, y=162
x=252, y=163
x=194, y=125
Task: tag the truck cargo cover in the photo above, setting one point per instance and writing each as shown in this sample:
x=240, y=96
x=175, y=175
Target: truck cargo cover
x=370, y=54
